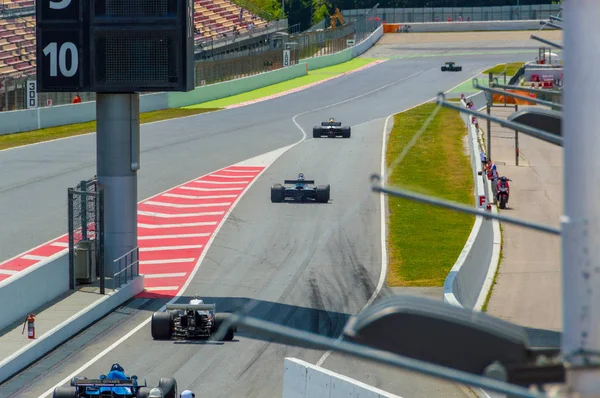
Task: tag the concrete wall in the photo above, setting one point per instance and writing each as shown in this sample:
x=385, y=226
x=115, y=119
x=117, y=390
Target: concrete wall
x=473, y=26
x=369, y=42
x=30, y=289
x=304, y=380
x=50, y=340
x=470, y=278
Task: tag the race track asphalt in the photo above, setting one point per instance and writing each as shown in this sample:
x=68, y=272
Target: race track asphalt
x=308, y=266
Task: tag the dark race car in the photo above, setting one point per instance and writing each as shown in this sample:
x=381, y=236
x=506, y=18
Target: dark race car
x=114, y=384
x=300, y=190
x=193, y=320
x=451, y=67
x=331, y=129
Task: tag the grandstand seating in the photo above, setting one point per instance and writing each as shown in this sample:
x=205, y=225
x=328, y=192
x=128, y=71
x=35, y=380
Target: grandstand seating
x=213, y=20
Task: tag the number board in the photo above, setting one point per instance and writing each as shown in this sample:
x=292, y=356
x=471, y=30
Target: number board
x=61, y=48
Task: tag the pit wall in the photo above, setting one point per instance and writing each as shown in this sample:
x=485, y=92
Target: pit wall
x=32, y=119
x=423, y=27
x=471, y=277
x=304, y=380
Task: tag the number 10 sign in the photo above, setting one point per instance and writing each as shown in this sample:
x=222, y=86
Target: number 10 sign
x=60, y=45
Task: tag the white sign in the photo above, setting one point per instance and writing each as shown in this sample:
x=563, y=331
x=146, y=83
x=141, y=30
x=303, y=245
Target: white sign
x=350, y=42
x=286, y=58
x=32, y=98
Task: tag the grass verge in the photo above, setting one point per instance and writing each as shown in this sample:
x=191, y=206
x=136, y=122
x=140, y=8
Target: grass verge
x=312, y=77
x=494, y=281
x=52, y=133
x=510, y=69
x=425, y=241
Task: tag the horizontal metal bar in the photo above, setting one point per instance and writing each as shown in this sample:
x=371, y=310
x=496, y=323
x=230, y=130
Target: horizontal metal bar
x=531, y=90
x=513, y=95
x=403, y=193
x=380, y=356
x=540, y=134
x=553, y=18
x=551, y=25
x=126, y=268
x=548, y=42
x=126, y=254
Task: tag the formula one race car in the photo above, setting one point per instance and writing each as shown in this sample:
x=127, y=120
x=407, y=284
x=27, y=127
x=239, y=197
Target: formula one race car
x=114, y=384
x=331, y=129
x=300, y=190
x=451, y=67
x=193, y=320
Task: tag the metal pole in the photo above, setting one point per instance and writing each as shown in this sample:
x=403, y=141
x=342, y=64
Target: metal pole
x=84, y=222
x=117, y=163
x=516, y=140
x=71, y=239
x=100, y=238
x=489, y=123
x=580, y=243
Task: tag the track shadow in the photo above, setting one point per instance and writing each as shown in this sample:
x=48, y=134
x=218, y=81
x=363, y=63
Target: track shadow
x=321, y=322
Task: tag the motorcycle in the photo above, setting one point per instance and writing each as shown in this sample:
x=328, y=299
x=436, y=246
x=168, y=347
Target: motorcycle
x=502, y=192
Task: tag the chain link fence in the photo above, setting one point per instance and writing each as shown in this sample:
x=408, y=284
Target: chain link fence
x=86, y=238
x=442, y=14
x=263, y=54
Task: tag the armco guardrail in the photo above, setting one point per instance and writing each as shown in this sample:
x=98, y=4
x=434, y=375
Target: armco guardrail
x=32, y=288
x=79, y=321
x=304, y=380
x=418, y=27
x=471, y=276
x=32, y=119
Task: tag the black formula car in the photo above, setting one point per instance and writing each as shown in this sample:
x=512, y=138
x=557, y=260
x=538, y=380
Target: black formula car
x=451, y=67
x=114, y=384
x=331, y=129
x=300, y=190
x=193, y=320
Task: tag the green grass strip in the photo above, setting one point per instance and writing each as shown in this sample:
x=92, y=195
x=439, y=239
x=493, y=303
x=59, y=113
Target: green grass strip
x=510, y=69
x=425, y=241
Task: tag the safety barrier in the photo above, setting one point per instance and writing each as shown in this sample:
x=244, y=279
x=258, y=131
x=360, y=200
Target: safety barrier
x=463, y=26
x=302, y=379
x=79, y=321
x=469, y=280
x=30, y=289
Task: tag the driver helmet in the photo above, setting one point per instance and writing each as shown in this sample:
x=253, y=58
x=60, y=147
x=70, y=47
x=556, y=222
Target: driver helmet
x=331, y=120
x=503, y=178
x=188, y=394
x=117, y=367
x=301, y=176
x=156, y=392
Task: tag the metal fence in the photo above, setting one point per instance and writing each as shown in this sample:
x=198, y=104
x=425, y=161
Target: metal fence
x=128, y=266
x=86, y=233
x=261, y=54
x=442, y=14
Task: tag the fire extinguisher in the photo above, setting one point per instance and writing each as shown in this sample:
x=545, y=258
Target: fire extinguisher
x=30, y=323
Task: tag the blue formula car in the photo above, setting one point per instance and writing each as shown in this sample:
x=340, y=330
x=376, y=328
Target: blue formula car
x=115, y=384
x=300, y=190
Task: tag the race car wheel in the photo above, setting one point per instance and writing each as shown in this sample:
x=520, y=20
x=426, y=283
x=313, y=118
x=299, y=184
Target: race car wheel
x=72, y=383
x=277, y=193
x=345, y=132
x=460, y=68
x=65, y=392
x=317, y=132
x=323, y=192
x=219, y=319
x=169, y=387
x=443, y=69
x=143, y=392
x=161, y=325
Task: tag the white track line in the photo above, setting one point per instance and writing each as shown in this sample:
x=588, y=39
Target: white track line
x=220, y=183
x=184, y=215
x=169, y=261
x=173, y=275
x=202, y=197
x=8, y=272
x=174, y=236
x=59, y=244
x=191, y=206
x=164, y=248
x=184, y=225
x=32, y=257
x=223, y=176
x=215, y=189
x=159, y=288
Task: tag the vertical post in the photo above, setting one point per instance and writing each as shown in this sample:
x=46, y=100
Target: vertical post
x=84, y=220
x=581, y=235
x=71, y=239
x=489, y=123
x=117, y=163
x=100, y=237
x=516, y=140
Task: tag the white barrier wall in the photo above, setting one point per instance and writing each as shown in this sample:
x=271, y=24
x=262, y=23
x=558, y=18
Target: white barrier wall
x=50, y=340
x=304, y=380
x=416, y=27
x=32, y=288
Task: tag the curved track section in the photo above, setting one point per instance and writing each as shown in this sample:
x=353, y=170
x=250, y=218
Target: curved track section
x=308, y=266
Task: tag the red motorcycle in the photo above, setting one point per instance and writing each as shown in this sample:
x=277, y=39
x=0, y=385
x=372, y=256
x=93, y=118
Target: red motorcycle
x=502, y=192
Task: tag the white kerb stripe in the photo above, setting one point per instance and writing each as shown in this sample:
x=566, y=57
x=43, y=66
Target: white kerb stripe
x=169, y=261
x=222, y=176
x=173, y=275
x=202, y=190
x=174, y=236
x=161, y=288
x=190, y=224
x=8, y=272
x=59, y=244
x=241, y=171
x=217, y=189
x=220, y=182
x=164, y=215
x=161, y=248
x=32, y=257
x=205, y=197
x=191, y=206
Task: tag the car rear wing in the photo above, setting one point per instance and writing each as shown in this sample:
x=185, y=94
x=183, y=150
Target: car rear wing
x=332, y=124
x=107, y=383
x=293, y=182
x=196, y=307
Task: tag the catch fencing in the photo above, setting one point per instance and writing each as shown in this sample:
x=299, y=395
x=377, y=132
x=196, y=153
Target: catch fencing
x=264, y=53
x=443, y=14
